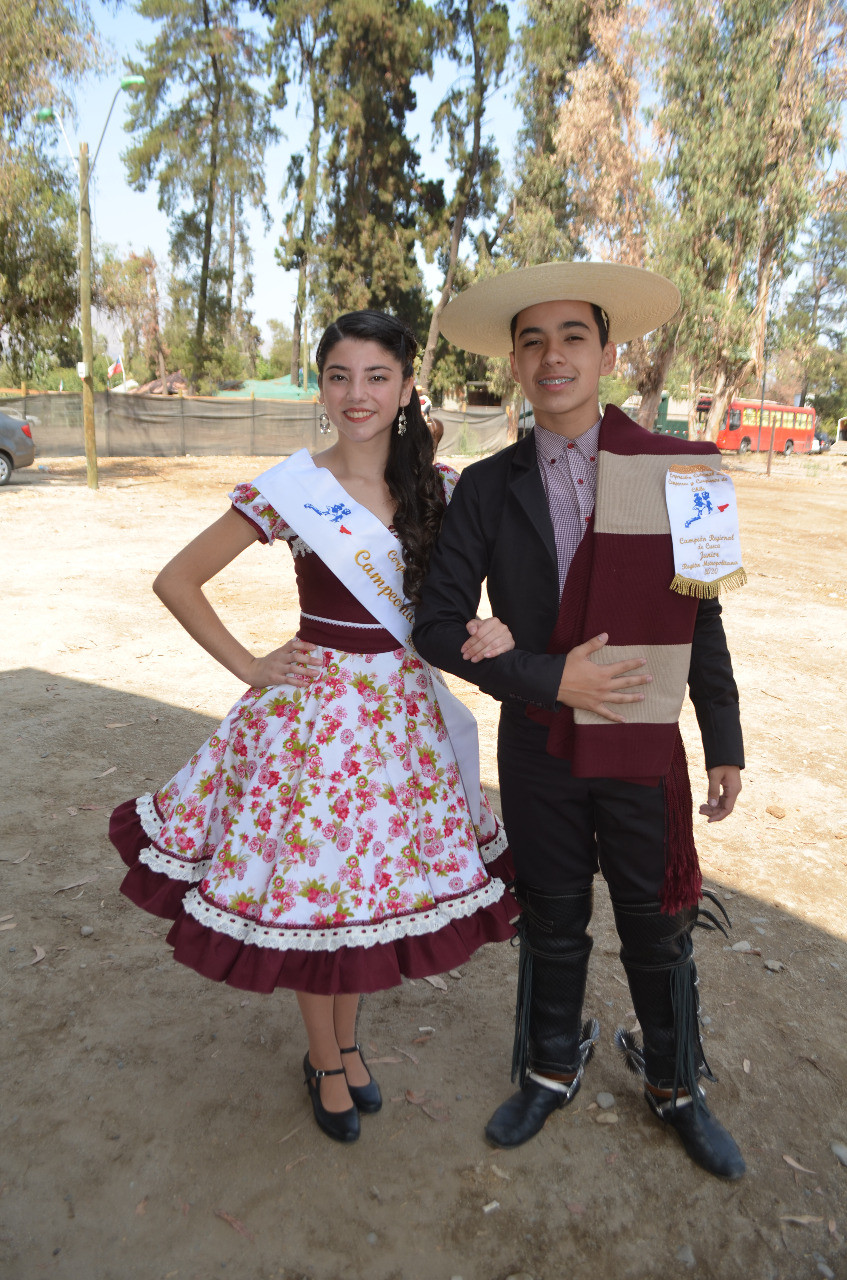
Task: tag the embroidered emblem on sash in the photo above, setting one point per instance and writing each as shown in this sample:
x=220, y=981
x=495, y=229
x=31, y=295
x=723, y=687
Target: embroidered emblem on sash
x=335, y=513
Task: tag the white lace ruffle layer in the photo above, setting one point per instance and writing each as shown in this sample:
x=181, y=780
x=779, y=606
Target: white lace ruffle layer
x=293, y=938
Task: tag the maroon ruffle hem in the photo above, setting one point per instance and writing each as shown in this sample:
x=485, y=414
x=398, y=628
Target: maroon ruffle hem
x=262, y=969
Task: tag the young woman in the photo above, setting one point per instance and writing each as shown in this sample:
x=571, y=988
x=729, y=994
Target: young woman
x=331, y=836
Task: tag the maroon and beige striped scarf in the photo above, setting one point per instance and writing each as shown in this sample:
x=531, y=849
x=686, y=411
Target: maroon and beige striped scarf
x=620, y=582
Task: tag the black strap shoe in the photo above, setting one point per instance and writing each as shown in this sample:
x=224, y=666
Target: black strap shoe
x=343, y=1126
x=367, y=1097
x=705, y=1139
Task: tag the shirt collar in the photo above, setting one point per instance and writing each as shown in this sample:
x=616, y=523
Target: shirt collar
x=549, y=445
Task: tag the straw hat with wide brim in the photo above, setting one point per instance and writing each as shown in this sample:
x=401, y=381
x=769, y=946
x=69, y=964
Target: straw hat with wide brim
x=636, y=301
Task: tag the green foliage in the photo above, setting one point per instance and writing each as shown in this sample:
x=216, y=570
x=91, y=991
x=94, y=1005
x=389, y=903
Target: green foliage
x=201, y=128
x=749, y=109
x=553, y=40
x=46, y=46
x=475, y=36
x=300, y=30
x=38, y=265
x=127, y=290
x=373, y=191
x=812, y=328
x=616, y=388
x=453, y=369
x=277, y=363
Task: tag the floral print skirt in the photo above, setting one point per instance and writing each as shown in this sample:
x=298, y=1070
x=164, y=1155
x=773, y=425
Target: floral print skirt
x=321, y=838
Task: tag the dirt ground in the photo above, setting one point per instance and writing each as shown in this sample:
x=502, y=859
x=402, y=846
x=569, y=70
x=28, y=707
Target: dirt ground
x=155, y=1126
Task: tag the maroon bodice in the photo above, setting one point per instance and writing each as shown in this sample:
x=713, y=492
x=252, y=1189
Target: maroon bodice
x=331, y=615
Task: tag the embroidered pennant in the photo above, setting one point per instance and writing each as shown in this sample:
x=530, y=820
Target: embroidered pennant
x=704, y=528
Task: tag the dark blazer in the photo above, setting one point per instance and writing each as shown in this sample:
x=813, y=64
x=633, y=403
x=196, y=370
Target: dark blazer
x=498, y=528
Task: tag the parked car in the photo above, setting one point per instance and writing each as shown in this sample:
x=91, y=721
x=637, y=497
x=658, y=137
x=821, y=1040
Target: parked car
x=821, y=442
x=17, y=448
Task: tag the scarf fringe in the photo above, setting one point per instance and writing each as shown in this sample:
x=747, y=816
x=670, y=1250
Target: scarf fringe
x=708, y=590
x=683, y=883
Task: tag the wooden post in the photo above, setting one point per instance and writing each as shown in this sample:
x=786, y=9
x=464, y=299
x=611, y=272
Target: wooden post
x=773, y=434
x=88, y=430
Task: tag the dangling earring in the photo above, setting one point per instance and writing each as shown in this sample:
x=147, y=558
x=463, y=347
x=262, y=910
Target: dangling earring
x=401, y=422
x=324, y=423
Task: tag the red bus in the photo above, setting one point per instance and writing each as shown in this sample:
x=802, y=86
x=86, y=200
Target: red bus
x=749, y=426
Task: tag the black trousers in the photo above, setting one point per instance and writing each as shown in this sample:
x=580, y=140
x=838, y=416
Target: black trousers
x=562, y=829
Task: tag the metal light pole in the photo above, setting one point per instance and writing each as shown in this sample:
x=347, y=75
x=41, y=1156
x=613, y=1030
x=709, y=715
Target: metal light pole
x=86, y=368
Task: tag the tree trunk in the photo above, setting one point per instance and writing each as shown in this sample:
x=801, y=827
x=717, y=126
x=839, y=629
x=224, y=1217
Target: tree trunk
x=717, y=411
x=466, y=180
x=692, y=407
x=199, y=354
x=813, y=333
x=295, y=336
x=653, y=380
x=309, y=196
x=230, y=266
x=760, y=310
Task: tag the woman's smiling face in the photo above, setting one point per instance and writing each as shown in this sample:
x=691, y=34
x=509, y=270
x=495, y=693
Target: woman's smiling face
x=362, y=386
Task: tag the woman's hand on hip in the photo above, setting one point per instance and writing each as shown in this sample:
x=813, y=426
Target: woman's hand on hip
x=295, y=663
x=488, y=638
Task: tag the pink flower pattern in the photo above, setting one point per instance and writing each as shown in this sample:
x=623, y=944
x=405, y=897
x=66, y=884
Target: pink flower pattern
x=343, y=834
x=331, y=806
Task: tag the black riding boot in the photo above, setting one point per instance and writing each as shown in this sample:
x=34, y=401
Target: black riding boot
x=658, y=956
x=549, y=1036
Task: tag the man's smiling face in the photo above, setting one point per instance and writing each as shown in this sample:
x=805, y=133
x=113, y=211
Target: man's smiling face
x=558, y=360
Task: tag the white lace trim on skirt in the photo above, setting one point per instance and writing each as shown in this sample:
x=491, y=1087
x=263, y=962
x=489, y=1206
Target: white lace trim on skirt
x=156, y=859
x=496, y=845
x=254, y=933
x=145, y=807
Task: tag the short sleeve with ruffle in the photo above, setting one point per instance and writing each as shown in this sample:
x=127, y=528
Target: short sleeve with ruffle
x=449, y=478
x=250, y=503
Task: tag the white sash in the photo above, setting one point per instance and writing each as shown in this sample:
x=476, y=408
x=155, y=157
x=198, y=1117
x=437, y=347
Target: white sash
x=367, y=558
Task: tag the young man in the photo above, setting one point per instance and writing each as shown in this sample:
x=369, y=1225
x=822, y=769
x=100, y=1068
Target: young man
x=592, y=768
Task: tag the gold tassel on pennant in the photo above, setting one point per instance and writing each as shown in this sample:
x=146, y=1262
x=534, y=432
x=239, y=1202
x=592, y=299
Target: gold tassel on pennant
x=708, y=590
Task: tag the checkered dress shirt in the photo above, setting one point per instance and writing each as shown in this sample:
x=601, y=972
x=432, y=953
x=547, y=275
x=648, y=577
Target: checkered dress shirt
x=569, y=472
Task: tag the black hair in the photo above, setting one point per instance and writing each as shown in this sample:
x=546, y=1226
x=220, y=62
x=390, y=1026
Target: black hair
x=601, y=319
x=410, y=473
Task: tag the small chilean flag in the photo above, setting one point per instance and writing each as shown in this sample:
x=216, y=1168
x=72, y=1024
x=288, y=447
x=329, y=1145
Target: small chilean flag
x=117, y=367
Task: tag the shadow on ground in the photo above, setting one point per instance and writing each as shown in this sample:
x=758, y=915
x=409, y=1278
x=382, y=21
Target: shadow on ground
x=155, y=1125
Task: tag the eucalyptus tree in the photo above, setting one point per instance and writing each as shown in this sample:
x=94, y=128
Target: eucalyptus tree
x=553, y=40
x=201, y=126
x=476, y=38
x=611, y=172
x=374, y=196
x=751, y=93
x=128, y=290
x=299, y=31
x=813, y=327
x=47, y=46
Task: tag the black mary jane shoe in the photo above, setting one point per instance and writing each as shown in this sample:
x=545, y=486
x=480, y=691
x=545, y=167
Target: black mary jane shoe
x=343, y=1126
x=367, y=1097
x=523, y=1115
x=705, y=1139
